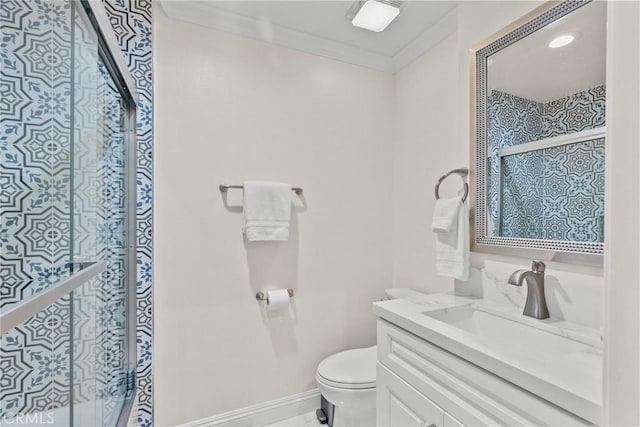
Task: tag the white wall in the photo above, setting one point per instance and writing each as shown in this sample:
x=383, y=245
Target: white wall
x=425, y=146
x=230, y=109
x=622, y=233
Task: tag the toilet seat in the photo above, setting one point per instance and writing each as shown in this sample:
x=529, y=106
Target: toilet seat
x=345, y=386
x=351, y=369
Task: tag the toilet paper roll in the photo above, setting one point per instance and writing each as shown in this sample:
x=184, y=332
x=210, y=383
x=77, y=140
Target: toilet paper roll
x=277, y=299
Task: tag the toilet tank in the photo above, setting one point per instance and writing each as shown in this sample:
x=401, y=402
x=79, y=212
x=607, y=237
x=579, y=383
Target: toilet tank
x=397, y=293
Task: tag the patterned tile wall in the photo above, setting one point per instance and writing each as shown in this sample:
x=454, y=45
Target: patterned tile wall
x=574, y=113
x=35, y=210
x=132, y=23
x=34, y=145
x=555, y=193
x=46, y=104
x=511, y=120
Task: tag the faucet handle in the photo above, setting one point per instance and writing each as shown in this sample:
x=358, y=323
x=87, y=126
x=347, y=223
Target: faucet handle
x=538, y=266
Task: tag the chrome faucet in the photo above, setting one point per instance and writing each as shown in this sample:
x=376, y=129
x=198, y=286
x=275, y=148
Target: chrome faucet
x=536, y=305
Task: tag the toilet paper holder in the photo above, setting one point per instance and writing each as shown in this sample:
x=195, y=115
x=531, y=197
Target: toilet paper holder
x=262, y=296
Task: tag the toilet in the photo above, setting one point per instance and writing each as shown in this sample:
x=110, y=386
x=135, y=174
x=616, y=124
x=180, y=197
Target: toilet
x=347, y=381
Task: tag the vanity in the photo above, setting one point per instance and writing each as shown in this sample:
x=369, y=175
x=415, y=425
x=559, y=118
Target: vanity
x=446, y=360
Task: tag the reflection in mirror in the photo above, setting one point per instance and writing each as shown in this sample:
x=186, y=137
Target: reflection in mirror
x=545, y=116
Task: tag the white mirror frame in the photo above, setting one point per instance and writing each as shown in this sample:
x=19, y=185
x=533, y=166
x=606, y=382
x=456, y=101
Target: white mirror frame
x=528, y=24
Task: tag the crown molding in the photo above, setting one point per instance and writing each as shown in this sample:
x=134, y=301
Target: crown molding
x=206, y=15
x=427, y=40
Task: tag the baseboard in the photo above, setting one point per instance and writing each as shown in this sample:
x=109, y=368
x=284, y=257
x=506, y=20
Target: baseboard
x=264, y=413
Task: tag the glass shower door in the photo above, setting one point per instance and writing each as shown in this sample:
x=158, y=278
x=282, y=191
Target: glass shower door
x=67, y=266
x=101, y=367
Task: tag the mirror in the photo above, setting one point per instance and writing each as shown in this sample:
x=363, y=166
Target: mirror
x=540, y=131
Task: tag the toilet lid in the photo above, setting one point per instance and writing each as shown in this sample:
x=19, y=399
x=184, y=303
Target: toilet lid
x=350, y=369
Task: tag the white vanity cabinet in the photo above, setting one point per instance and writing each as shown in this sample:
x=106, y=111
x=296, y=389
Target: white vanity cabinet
x=420, y=384
x=399, y=404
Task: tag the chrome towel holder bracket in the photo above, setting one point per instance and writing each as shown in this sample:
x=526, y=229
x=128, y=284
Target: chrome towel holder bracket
x=463, y=172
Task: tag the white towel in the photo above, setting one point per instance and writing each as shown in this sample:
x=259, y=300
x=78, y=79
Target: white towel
x=452, y=247
x=445, y=215
x=267, y=210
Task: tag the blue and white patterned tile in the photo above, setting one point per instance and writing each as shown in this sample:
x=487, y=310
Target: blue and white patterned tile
x=577, y=112
x=15, y=270
x=12, y=293
x=556, y=186
x=554, y=175
x=145, y=396
x=26, y=237
x=40, y=348
x=35, y=53
x=144, y=197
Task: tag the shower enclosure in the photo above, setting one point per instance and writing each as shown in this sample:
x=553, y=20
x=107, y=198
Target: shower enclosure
x=67, y=266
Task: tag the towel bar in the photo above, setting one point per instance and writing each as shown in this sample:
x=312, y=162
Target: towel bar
x=463, y=172
x=224, y=188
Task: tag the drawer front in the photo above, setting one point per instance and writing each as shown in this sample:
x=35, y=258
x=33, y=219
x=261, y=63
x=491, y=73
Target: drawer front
x=471, y=394
x=400, y=405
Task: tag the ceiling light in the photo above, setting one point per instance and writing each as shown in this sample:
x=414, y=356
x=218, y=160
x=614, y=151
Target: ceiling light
x=375, y=15
x=562, y=40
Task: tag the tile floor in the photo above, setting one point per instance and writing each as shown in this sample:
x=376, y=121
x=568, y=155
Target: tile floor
x=305, y=420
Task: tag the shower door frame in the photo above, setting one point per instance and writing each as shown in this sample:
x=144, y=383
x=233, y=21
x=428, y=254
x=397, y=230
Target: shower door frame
x=111, y=55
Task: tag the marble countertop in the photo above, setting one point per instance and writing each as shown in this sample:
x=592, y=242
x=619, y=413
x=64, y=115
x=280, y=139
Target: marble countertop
x=572, y=381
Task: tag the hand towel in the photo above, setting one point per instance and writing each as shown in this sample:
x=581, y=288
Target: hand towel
x=452, y=247
x=267, y=210
x=445, y=215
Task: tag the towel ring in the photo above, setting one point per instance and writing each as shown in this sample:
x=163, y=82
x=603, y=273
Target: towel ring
x=463, y=172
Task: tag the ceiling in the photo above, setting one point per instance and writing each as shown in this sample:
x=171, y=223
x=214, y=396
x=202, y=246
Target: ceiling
x=320, y=27
x=530, y=69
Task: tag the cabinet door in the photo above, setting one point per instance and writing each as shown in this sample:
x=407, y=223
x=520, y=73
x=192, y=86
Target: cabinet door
x=400, y=405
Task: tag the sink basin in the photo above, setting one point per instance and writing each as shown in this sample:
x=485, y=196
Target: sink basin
x=510, y=336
